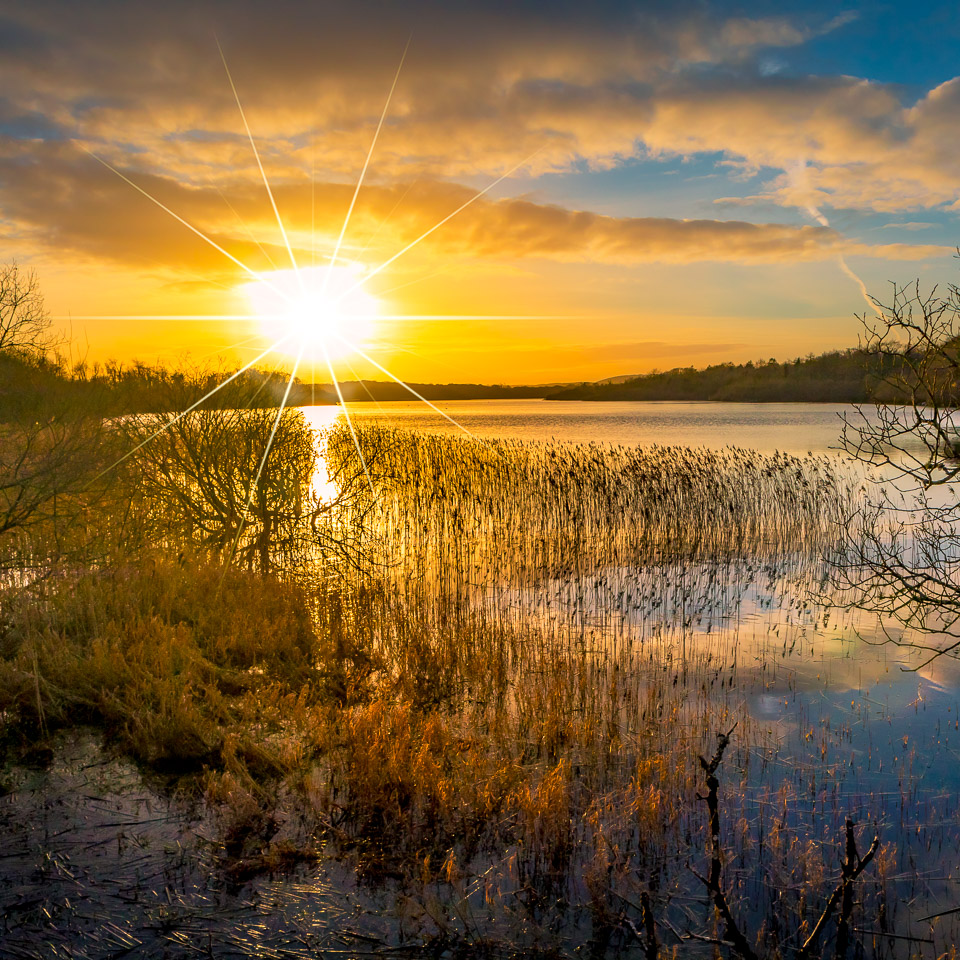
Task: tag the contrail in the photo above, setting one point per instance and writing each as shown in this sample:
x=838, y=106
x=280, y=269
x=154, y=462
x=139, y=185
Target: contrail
x=799, y=172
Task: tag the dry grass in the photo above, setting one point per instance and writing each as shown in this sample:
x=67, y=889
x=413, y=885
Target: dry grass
x=167, y=657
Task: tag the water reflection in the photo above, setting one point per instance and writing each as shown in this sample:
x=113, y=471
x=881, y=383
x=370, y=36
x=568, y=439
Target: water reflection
x=320, y=419
x=791, y=427
x=837, y=722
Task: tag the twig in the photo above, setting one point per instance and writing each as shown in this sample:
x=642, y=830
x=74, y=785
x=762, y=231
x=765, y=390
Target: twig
x=893, y=936
x=942, y=913
x=713, y=883
x=853, y=866
x=651, y=949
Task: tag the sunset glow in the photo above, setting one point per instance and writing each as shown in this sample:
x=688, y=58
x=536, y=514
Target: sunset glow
x=645, y=186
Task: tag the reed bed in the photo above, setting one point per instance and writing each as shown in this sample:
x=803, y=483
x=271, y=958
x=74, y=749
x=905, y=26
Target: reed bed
x=546, y=510
x=502, y=723
x=591, y=540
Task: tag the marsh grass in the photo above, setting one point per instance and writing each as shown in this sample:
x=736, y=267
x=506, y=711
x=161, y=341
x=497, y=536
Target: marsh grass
x=543, y=509
x=504, y=720
x=588, y=538
x=164, y=656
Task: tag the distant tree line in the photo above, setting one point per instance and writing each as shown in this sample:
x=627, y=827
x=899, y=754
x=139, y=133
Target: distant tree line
x=115, y=388
x=380, y=390
x=849, y=376
x=845, y=376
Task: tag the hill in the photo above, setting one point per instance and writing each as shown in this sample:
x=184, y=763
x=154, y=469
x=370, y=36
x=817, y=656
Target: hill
x=846, y=376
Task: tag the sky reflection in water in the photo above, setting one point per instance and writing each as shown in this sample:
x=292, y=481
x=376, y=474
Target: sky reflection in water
x=852, y=725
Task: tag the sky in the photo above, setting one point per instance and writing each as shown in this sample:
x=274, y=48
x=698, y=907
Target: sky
x=556, y=191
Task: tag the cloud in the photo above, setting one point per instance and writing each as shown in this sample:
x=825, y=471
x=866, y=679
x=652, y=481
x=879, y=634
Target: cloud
x=60, y=198
x=557, y=87
x=837, y=142
x=483, y=86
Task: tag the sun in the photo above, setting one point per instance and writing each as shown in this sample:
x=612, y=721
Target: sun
x=317, y=313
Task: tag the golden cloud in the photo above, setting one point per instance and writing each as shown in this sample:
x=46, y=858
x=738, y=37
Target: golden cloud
x=481, y=89
x=62, y=199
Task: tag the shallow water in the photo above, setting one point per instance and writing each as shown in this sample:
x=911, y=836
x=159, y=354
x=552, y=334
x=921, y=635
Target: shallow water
x=853, y=726
x=97, y=862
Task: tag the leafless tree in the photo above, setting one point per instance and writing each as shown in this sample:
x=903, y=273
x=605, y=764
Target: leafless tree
x=47, y=491
x=240, y=484
x=24, y=321
x=903, y=558
x=52, y=438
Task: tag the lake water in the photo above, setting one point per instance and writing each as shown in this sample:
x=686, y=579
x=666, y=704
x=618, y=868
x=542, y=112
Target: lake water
x=791, y=427
x=857, y=723
x=828, y=714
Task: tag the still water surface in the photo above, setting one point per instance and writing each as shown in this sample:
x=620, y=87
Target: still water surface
x=791, y=427
x=830, y=716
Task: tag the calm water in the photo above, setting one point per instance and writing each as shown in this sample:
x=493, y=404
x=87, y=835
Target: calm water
x=792, y=427
x=856, y=725
x=837, y=717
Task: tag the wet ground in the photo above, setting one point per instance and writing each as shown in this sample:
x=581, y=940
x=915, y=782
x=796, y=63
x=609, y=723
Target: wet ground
x=96, y=862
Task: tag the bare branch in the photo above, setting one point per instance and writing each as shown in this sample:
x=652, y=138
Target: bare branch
x=24, y=321
x=902, y=559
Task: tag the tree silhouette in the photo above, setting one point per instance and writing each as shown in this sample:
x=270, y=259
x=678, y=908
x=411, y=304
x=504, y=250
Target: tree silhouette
x=24, y=321
x=903, y=558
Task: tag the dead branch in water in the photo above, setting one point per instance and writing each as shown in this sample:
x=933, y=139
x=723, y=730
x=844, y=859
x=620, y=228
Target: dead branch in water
x=734, y=937
x=853, y=866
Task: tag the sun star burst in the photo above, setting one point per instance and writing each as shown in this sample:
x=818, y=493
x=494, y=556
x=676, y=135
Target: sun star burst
x=310, y=313
x=314, y=311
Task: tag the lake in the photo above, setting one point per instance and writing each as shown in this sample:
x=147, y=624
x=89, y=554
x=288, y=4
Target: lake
x=831, y=723
x=792, y=427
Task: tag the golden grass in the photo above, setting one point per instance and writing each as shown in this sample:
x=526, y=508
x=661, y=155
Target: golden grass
x=163, y=655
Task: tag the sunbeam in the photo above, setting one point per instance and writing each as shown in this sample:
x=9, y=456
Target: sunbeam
x=386, y=219
x=246, y=228
x=463, y=206
x=263, y=459
x=189, y=409
x=479, y=316
x=234, y=317
x=256, y=153
x=333, y=263
x=313, y=319
x=409, y=389
x=350, y=427
x=176, y=216
x=366, y=164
